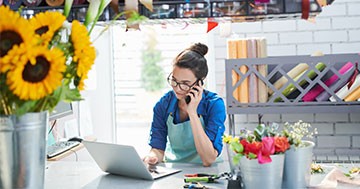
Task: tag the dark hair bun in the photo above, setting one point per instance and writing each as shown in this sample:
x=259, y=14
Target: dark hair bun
x=199, y=48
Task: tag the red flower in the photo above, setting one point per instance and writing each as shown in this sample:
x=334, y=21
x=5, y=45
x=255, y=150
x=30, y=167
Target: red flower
x=281, y=144
x=254, y=147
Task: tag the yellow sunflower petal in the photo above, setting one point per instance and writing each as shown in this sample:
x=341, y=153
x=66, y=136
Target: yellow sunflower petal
x=34, y=81
x=14, y=30
x=46, y=24
x=84, y=52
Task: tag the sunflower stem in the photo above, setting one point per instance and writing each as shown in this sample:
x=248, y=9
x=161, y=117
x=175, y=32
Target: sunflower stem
x=7, y=109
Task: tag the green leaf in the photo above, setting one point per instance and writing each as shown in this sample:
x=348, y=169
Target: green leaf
x=252, y=156
x=237, y=147
x=236, y=158
x=259, y=132
x=27, y=106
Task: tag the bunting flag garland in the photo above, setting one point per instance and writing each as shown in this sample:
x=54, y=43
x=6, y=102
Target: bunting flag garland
x=305, y=9
x=148, y=4
x=211, y=24
x=114, y=4
x=131, y=6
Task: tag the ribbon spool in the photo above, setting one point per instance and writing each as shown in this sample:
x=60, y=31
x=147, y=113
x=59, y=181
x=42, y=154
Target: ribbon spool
x=32, y=3
x=78, y=2
x=54, y=3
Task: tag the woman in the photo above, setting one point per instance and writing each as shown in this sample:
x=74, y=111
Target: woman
x=188, y=121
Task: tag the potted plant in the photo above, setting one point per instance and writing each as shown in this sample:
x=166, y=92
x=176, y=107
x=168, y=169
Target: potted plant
x=298, y=159
x=259, y=155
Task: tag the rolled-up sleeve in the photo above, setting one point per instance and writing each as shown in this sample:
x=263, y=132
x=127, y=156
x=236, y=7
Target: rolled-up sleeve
x=215, y=127
x=158, y=132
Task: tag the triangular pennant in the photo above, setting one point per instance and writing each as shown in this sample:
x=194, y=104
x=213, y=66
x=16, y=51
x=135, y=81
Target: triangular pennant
x=305, y=9
x=211, y=23
x=148, y=4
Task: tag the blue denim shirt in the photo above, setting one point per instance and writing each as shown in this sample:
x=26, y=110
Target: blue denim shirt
x=211, y=107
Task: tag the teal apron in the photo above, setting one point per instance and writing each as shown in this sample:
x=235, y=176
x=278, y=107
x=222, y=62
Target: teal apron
x=181, y=146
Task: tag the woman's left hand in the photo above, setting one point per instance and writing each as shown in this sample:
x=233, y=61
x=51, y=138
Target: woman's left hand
x=195, y=95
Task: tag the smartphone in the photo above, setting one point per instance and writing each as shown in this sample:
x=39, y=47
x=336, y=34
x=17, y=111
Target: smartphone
x=188, y=98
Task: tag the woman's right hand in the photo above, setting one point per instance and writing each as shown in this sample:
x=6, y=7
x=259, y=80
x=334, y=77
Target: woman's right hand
x=151, y=160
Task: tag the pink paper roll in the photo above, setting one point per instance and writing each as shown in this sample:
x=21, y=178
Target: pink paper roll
x=313, y=93
x=253, y=87
x=324, y=96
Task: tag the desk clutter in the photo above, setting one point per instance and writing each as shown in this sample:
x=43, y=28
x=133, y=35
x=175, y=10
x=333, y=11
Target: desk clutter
x=199, y=180
x=60, y=147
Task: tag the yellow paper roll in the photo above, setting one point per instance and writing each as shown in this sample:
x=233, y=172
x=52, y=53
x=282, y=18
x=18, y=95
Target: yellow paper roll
x=292, y=74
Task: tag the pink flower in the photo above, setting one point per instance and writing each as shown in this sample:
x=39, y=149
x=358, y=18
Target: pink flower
x=268, y=148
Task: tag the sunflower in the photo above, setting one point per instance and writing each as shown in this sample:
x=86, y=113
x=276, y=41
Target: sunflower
x=84, y=52
x=46, y=24
x=14, y=30
x=37, y=73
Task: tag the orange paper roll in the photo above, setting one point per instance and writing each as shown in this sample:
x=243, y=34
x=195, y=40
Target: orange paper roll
x=232, y=54
x=353, y=95
x=244, y=85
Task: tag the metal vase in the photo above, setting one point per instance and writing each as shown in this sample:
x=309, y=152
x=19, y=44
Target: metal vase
x=255, y=175
x=297, y=168
x=23, y=150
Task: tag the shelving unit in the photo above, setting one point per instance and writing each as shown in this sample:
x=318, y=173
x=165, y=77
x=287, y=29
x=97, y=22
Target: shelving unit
x=237, y=10
x=278, y=67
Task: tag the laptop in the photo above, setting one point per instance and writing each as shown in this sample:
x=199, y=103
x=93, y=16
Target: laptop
x=125, y=161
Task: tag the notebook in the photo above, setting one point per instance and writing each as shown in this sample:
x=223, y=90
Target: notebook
x=125, y=161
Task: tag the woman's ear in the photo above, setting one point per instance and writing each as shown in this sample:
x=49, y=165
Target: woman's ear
x=201, y=82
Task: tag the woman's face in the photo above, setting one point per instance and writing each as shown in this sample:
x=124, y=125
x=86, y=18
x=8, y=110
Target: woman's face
x=185, y=77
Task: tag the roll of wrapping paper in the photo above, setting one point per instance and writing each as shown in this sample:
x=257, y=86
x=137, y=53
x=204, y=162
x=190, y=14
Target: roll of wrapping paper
x=232, y=54
x=54, y=3
x=32, y=3
x=324, y=96
x=253, y=87
x=298, y=69
x=243, y=91
x=353, y=95
x=314, y=92
x=262, y=68
x=345, y=91
x=311, y=75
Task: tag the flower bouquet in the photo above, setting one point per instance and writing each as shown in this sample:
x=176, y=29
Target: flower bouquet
x=298, y=159
x=43, y=60
x=260, y=144
x=259, y=156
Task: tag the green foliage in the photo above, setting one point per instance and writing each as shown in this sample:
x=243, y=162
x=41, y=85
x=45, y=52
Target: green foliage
x=152, y=75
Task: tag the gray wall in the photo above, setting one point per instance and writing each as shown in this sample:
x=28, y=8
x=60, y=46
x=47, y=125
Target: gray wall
x=336, y=30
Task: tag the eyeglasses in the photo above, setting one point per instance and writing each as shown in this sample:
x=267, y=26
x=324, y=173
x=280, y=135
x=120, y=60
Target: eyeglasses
x=182, y=86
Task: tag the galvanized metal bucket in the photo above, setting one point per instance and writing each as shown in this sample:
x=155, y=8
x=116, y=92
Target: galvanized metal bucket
x=255, y=175
x=23, y=150
x=297, y=167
